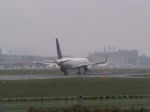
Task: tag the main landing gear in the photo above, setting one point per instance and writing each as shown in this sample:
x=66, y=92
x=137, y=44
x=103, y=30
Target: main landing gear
x=79, y=72
x=64, y=71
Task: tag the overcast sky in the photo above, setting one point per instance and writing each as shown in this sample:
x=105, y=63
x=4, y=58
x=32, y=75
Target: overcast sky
x=82, y=26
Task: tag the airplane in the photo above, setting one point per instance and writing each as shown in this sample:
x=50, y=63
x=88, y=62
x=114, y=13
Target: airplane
x=71, y=63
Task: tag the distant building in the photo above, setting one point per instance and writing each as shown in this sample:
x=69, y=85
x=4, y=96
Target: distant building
x=121, y=58
x=143, y=61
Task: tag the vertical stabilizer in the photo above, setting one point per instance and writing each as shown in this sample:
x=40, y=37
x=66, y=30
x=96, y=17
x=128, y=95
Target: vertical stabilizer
x=59, y=55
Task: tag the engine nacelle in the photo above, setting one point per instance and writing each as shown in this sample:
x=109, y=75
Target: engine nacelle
x=87, y=68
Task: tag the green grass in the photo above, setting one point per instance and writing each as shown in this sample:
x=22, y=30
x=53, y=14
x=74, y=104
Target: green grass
x=55, y=71
x=74, y=87
x=19, y=106
x=80, y=108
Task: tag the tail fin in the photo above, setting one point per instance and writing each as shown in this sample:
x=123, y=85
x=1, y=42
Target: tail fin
x=58, y=49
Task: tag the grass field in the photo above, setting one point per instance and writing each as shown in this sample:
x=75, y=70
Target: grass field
x=55, y=71
x=56, y=104
x=104, y=86
x=75, y=86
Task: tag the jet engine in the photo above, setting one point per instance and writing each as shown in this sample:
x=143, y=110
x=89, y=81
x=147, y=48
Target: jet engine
x=87, y=68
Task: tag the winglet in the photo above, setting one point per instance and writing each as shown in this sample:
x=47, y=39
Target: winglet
x=106, y=59
x=59, y=54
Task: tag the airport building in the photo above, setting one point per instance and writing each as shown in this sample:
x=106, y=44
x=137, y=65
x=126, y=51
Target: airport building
x=122, y=59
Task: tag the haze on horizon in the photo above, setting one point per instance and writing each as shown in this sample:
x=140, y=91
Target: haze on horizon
x=82, y=26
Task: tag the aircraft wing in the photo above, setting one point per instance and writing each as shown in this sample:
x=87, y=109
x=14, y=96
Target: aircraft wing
x=42, y=63
x=39, y=63
x=48, y=61
x=91, y=64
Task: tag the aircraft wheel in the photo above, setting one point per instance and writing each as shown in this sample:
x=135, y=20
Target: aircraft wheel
x=65, y=73
x=79, y=73
x=84, y=72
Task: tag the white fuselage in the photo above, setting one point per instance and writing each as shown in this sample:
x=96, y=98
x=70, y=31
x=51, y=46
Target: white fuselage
x=70, y=63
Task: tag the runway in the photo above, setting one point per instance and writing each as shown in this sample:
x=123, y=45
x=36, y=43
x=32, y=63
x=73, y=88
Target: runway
x=56, y=76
